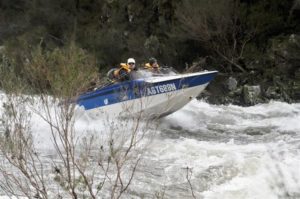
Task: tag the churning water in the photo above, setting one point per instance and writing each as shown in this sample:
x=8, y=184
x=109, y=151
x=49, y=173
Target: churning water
x=232, y=151
x=214, y=151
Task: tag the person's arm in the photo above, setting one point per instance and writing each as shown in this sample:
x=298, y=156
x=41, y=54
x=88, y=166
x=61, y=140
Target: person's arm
x=123, y=75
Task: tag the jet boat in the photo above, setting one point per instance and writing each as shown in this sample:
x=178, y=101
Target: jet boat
x=146, y=95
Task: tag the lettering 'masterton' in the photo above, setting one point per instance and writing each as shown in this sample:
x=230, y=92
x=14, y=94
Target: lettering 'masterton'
x=164, y=88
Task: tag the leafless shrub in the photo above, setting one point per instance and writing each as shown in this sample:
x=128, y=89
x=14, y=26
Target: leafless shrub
x=217, y=25
x=22, y=170
x=189, y=173
x=84, y=166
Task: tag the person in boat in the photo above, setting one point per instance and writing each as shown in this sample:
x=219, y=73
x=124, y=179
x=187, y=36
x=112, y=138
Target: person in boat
x=123, y=73
x=152, y=65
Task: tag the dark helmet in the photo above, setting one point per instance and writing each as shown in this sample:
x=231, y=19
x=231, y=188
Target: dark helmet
x=152, y=60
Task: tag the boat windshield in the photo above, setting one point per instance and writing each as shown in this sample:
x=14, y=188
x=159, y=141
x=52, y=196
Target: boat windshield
x=144, y=73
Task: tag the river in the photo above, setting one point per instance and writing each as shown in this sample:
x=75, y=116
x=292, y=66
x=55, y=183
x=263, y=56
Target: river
x=213, y=151
x=232, y=151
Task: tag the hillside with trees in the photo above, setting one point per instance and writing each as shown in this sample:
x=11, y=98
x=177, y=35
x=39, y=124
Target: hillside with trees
x=255, y=45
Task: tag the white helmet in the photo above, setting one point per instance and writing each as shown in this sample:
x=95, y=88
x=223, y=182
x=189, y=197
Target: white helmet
x=130, y=60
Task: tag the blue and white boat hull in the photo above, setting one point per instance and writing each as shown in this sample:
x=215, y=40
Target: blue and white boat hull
x=149, y=97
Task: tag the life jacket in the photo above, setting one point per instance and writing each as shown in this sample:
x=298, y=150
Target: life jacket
x=123, y=66
x=148, y=66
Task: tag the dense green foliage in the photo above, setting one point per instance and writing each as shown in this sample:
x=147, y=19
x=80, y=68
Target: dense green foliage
x=174, y=31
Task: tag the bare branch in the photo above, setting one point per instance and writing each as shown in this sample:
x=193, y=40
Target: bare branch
x=189, y=173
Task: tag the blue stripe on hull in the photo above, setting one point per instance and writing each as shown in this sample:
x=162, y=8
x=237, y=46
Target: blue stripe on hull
x=135, y=89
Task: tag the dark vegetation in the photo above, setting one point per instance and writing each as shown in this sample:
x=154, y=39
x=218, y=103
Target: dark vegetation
x=255, y=44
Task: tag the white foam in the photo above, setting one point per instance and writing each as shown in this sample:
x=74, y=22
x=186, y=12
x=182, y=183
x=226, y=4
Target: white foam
x=229, y=169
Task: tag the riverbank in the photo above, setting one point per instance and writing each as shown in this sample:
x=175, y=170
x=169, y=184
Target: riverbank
x=272, y=76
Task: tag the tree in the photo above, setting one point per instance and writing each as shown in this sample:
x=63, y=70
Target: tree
x=216, y=24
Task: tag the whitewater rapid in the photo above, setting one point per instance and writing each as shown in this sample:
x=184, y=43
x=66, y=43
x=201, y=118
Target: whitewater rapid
x=229, y=152
x=234, y=152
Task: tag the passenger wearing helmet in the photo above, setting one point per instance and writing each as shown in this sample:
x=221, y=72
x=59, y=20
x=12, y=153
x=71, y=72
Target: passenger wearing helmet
x=123, y=72
x=152, y=65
